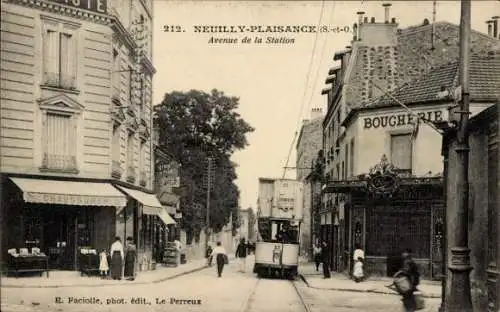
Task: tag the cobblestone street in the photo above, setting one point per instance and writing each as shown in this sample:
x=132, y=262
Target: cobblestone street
x=201, y=291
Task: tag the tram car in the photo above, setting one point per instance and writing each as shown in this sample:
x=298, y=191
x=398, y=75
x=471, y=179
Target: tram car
x=279, y=218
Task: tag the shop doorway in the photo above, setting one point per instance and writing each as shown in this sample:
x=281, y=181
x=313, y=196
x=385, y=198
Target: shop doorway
x=60, y=235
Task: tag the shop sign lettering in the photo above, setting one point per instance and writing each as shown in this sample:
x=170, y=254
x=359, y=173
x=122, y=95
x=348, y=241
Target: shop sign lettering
x=397, y=120
x=99, y=6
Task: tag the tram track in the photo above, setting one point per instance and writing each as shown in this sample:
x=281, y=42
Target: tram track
x=267, y=293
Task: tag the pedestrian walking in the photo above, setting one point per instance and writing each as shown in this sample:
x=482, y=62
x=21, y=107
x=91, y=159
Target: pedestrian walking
x=325, y=258
x=130, y=259
x=241, y=254
x=358, y=253
x=317, y=255
x=103, y=264
x=220, y=258
x=406, y=281
x=358, y=273
x=117, y=256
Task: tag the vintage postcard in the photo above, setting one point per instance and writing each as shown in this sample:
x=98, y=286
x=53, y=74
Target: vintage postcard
x=206, y=156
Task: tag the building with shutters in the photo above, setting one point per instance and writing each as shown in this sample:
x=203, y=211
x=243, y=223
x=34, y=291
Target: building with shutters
x=76, y=159
x=382, y=163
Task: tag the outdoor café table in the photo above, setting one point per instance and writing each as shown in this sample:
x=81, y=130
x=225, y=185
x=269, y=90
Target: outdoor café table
x=29, y=263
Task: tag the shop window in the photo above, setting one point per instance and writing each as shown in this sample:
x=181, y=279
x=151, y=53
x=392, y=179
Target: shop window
x=401, y=151
x=59, y=55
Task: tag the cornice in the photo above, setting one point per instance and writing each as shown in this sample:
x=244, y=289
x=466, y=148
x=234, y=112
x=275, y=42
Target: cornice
x=148, y=65
x=64, y=10
x=123, y=35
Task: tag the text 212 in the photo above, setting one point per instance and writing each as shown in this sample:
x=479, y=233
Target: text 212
x=172, y=28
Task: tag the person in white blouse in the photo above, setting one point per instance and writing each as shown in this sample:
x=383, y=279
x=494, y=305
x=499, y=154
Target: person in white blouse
x=220, y=256
x=117, y=256
x=358, y=253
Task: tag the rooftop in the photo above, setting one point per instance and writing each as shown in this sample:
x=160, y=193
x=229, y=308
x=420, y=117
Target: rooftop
x=440, y=82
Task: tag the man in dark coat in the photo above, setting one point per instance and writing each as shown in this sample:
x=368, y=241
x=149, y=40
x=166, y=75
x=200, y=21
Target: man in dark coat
x=410, y=269
x=241, y=254
x=325, y=258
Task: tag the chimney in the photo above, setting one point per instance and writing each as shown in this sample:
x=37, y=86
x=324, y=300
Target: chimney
x=490, y=27
x=365, y=20
x=360, y=21
x=372, y=20
x=387, y=13
x=495, y=26
x=355, y=31
x=393, y=20
x=316, y=113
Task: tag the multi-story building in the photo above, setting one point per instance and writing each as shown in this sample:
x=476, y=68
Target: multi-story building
x=307, y=148
x=397, y=202
x=76, y=119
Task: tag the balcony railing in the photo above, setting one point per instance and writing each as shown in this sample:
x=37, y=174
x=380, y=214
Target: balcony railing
x=59, y=163
x=116, y=169
x=60, y=80
x=143, y=180
x=131, y=174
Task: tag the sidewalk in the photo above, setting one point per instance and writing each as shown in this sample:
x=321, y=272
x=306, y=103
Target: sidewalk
x=74, y=279
x=341, y=282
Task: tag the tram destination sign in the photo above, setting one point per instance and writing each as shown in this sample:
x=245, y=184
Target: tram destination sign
x=98, y=6
x=402, y=119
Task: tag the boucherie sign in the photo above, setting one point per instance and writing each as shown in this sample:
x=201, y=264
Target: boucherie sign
x=402, y=119
x=98, y=6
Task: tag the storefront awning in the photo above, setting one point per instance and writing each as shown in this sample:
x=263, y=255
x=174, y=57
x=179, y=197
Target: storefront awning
x=151, y=205
x=171, y=210
x=69, y=192
x=165, y=217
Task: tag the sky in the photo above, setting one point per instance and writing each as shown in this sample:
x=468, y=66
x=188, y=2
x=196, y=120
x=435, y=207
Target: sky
x=277, y=84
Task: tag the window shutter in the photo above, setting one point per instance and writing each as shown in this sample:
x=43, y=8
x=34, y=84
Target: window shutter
x=401, y=151
x=51, y=57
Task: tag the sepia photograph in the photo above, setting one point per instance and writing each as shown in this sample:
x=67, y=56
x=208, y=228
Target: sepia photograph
x=249, y=156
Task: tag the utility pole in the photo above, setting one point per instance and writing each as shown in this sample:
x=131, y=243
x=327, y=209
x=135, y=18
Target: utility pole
x=209, y=173
x=459, y=298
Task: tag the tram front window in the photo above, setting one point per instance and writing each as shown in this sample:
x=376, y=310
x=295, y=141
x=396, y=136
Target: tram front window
x=284, y=232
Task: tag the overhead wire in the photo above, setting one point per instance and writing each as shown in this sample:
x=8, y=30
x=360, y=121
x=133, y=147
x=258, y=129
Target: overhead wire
x=305, y=89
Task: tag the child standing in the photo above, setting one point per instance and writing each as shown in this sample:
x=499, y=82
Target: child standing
x=103, y=264
x=358, y=273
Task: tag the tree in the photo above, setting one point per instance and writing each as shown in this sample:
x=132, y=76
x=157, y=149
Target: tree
x=193, y=126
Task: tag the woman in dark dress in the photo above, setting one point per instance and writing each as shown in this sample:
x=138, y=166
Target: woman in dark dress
x=130, y=257
x=116, y=252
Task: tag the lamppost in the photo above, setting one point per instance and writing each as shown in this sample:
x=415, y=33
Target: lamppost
x=459, y=298
x=210, y=171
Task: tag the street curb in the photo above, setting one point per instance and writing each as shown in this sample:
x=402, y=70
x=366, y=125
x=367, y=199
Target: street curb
x=373, y=291
x=104, y=285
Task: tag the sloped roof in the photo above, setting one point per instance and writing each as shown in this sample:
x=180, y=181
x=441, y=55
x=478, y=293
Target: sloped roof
x=440, y=82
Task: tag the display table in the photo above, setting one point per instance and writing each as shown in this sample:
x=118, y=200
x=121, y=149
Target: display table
x=28, y=263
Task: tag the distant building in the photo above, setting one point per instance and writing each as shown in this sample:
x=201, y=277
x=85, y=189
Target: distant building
x=308, y=145
x=367, y=135
x=246, y=227
x=76, y=159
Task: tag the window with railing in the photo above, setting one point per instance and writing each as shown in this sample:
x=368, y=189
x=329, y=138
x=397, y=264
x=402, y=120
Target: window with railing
x=116, y=170
x=59, y=56
x=142, y=163
x=130, y=158
x=59, y=149
x=116, y=75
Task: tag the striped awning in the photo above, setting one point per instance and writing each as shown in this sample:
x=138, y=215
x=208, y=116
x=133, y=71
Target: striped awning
x=69, y=192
